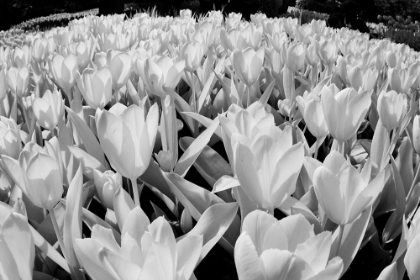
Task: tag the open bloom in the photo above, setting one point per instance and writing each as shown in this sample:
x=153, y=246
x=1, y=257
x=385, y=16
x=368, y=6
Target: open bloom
x=147, y=251
x=162, y=71
x=95, y=86
x=49, y=110
x=342, y=191
x=247, y=64
x=267, y=169
x=269, y=249
x=38, y=172
x=127, y=137
x=392, y=107
x=344, y=111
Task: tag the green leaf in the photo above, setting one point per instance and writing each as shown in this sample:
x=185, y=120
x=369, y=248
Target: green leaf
x=90, y=142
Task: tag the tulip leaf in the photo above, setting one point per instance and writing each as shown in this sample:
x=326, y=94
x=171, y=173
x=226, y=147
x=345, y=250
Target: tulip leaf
x=379, y=147
x=193, y=151
x=153, y=177
x=292, y=206
x=393, y=226
x=389, y=273
x=73, y=219
x=90, y=142
x=182, y=106
x=48, y=250
x=352, y=238
x=404, y=163
x=213, y=224
x=210, y=84
x=204, y=121
x=210, y=165
x=88, y=162
x=266, y=95
x=197, y=200
x=225, y=183
x=123, y=204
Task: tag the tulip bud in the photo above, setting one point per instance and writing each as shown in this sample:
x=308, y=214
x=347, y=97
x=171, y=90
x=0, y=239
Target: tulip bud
x=49, y=110
x=392, y=107
x=192, y=53
x=95, y=86
x=107, y=184
x=311, y=109
x=186, y=221
x=10, y=144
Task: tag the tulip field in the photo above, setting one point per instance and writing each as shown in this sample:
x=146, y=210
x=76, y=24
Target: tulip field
x=141, y=148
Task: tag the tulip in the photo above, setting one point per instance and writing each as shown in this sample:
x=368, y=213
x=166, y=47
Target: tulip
x=268, y=170
x=95, y=86
x=327, y=51
x=162, y=72
x=49, y=110
x=311, y=109
x=128, y=139
x=18, y=80
x=287, y=249
x=392, y=107
x=21, y=57
x=247, y=64
x=185, y=13
x=38, y=173
x=355, y=77
x=17, y=250
x=64, y=72
x=401, y=80
x=10, y=144
x=147, y=251
x=295, y=57
x=192, y=53
x=120, y=65
x=344, y=111
x=40, y=49
x=107, y=184
x=342, y=191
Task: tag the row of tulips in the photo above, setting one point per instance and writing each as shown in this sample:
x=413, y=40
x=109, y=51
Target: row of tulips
x=318, y=124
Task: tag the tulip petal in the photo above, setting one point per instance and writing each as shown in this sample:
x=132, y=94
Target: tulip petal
x=158, y=264
x=330, y=196
x=16, y=235
x=297, y=229
x=247, y=262
x=188, y=254
x=135, y=224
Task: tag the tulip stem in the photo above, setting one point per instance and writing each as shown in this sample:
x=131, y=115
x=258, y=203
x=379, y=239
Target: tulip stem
x=136, y=191
x=340, y=237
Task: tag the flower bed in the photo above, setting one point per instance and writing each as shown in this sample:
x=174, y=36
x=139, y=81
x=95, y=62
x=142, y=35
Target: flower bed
x=183, y=148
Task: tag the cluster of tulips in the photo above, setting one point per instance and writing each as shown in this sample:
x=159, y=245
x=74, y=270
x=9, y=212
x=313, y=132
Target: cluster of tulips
x=316, y=123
